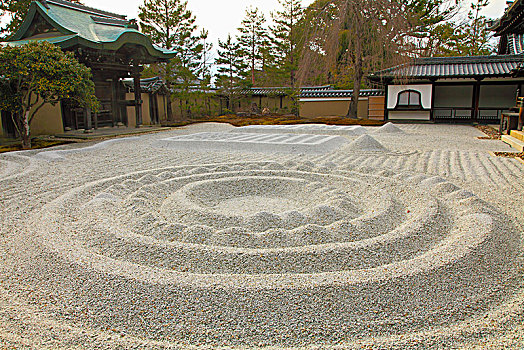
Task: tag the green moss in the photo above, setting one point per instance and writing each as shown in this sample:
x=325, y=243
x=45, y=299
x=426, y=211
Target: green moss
x=278, y=120
x=35, y=143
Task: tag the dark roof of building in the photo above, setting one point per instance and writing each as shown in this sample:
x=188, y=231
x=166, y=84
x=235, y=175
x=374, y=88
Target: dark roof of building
x=280, y=91
x=339, y=93
x=324, y=91
x=512, y=22
x=78, y=25
x=452, y=67
x=513, y=44
x=148, y=85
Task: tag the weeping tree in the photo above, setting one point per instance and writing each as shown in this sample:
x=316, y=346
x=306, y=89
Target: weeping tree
x=357, y=37
x=37, y=74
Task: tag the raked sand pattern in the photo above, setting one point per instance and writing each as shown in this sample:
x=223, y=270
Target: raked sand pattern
x=323, y=129
x=289, y=143
x=139, y=244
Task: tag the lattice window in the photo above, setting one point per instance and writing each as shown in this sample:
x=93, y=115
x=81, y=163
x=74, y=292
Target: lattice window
x=409, y=99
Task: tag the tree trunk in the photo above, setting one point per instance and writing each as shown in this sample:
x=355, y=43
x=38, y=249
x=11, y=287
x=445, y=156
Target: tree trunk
x=353, y=105
x=170, y=116
x=25, y=134
x=359, y=74
x=181, y=106
x=232, y=103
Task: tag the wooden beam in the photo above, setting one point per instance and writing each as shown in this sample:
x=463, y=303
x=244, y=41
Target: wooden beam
x=476, y=100
x=138, y=98
x=88, y=124
x=115, y=109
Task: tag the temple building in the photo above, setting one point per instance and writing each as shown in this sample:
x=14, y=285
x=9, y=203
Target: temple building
x=113, y=48
x=460, y=89
x=313, y=101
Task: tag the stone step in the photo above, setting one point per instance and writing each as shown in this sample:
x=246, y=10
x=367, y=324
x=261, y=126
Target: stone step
x=517, y=134
x=513, y=142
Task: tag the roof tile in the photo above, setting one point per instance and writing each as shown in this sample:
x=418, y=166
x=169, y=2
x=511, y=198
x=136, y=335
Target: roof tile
x=454, y=67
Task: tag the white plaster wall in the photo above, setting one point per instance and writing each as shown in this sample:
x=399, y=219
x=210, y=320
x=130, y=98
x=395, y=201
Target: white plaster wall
x=424, y=89
x=412, y=115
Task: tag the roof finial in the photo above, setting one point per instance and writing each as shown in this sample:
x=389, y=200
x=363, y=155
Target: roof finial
x=132, y=24
x=44, y=2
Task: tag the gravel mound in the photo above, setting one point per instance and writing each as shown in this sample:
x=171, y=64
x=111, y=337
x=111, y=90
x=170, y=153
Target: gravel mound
x=389, y=128
x=366, y=143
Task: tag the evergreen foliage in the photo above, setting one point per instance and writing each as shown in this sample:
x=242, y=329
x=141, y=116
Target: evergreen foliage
x=286, y=40
x=286, y=46
x=171, y=25
x=253, y=40
x=37, y=74
x=428, y=20
x=469, y=37
x=231, y=75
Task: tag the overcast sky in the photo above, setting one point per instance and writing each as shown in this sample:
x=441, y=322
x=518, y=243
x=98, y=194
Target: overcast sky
x=218, y=17
x=223, y=17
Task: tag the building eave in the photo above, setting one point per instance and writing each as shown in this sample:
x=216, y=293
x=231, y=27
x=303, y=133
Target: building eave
x=116, y=35
x=474, y=67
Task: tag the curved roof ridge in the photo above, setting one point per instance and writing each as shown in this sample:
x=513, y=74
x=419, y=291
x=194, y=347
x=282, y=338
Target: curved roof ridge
x=88, y=30
x=83, y=8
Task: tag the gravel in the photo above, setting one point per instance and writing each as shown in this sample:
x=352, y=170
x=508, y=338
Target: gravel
x=366, y=143
x=322, y=129
x=389, y=128
x=205, y=238
x=254, y=142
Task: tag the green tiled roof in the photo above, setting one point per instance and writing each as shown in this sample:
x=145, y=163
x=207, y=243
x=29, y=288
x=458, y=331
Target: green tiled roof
x=88, y=27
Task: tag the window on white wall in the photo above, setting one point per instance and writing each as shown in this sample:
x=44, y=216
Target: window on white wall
x=409, y=99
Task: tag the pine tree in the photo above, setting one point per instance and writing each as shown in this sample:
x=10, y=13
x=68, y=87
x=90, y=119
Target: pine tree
x=206, y=64
x=231, y=70
x=203, y=104
x=462, y=37
x=286, y=46
x=171, y=25
x=472, y=37
x=253, y=39
x=428, y=24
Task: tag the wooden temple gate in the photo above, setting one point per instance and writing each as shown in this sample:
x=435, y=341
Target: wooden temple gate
x=108, y=43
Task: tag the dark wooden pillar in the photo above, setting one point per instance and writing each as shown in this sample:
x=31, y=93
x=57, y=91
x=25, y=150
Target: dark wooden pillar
x=165, y=107
x=520, y=123
x=88, y=123
x=386, y=101
x=115, y=107
x=476, y=100
x=433, y=90
x=138, y=98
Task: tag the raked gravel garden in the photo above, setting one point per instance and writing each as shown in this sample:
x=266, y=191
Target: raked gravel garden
x=406, y=236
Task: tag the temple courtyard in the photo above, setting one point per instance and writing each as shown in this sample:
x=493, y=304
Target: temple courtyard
x=405, y=236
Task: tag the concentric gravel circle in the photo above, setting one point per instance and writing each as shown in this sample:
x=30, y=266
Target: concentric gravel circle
x=169, y=226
